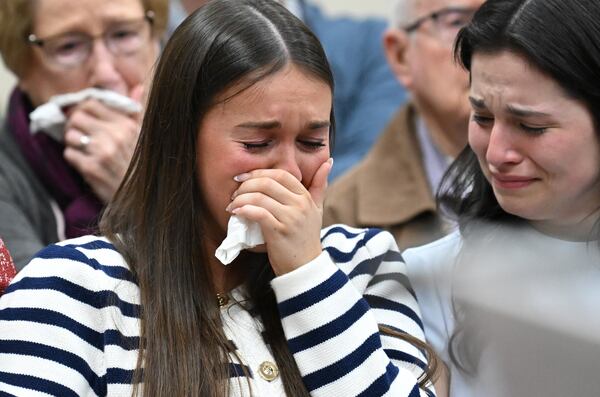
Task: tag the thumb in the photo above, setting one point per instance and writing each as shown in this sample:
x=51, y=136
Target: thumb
x=137, y=93
x=319, y=183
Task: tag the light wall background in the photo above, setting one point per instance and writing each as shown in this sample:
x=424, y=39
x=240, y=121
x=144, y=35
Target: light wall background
x=353, y=8
x=359, y=8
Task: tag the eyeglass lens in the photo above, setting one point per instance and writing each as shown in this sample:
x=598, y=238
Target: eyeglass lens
x=72, y=49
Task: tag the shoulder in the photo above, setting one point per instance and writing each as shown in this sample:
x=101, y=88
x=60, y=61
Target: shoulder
x=97, y=253
x=444, y=250
x=85, y=268
x=17, y=179
x=431, y=265
x=72, y=313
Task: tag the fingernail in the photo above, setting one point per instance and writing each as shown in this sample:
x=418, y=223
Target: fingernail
x=241, y=177
x=228, y=208
x=330, y=161
x=234, y=195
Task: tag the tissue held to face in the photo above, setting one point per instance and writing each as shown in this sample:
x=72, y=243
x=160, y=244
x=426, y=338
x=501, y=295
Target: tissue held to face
x=276, y=132
x=107, y=44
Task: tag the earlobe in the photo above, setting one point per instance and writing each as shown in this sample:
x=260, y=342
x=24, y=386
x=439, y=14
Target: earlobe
x=395, y=43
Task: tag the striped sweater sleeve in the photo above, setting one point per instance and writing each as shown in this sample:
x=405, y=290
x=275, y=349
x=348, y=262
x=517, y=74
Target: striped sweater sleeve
x=331, y=310
x=67, y=324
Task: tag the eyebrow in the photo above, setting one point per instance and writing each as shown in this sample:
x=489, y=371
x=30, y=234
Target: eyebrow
x=317, y=125
x=516, y=111
x=270, y=125
x=520, y=112
x=263, y=125
x=477, y=103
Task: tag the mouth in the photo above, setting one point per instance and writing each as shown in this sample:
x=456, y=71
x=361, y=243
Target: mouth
x=511, y=181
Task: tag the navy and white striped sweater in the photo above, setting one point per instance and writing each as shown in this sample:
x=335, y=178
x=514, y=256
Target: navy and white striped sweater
x=69, y=321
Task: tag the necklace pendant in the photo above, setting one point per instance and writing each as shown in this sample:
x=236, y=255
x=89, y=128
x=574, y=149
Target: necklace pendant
x=222, y=300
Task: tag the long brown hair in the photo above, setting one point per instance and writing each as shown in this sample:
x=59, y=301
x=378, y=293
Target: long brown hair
x=558, y=38
x=156, y=218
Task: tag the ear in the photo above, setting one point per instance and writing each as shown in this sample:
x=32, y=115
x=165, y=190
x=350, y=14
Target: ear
x=396, y=45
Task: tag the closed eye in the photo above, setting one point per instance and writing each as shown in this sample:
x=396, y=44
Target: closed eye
x=533, y=130
x=482, y=120
x=312, y=145
x=253, y=146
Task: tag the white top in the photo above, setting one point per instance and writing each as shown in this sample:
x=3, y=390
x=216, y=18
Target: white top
x=69, y=323
x=533, y=299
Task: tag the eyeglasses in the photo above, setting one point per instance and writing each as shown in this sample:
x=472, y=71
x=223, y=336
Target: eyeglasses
x=447, y=22
x=71, y=50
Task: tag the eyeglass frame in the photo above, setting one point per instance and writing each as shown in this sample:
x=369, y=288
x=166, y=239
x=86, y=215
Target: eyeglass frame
x=32, y=39
x=435, y=15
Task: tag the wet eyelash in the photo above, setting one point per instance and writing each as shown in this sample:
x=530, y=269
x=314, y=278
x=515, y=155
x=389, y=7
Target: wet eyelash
x=482, y=119
x=255, y=145
x=313, y=144
x=533, y=130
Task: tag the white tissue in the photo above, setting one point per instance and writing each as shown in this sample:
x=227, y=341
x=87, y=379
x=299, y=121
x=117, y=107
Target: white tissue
x=50, y=118
x=241, y=234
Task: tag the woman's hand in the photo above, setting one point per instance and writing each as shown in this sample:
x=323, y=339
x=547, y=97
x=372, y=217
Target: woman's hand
x=111, y=136
x=290, y=216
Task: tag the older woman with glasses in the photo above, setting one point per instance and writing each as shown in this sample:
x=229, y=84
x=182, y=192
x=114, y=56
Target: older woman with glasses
x=52, y=187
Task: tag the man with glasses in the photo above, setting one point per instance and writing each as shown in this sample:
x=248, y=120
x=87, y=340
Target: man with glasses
x=394, y=186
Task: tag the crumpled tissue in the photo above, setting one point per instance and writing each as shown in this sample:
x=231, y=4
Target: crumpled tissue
x=241, y=234
x=50, y=118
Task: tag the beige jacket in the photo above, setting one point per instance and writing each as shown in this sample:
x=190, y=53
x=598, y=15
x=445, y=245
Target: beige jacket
x=388, y=189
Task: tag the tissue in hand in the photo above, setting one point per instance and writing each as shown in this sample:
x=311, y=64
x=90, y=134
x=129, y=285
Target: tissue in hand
x=241, y=234
x=50, y=118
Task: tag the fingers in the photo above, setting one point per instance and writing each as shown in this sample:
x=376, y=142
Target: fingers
x=288, y=217
x=98, y=110
x=281, y=186
x=273, y=188
x=319, y=183
x=137, y=93
x=99, y=143
x=282, y=177
x=280, y=212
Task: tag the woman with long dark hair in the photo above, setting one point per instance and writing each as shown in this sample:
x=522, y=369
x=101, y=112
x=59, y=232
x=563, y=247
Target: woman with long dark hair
x=526, y=195
x=239, y=121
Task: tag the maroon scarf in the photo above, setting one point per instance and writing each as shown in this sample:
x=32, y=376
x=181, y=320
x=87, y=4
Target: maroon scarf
x=75, y=198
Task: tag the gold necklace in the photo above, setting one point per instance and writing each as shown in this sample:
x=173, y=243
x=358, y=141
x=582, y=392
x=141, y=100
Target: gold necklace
x=222, y=299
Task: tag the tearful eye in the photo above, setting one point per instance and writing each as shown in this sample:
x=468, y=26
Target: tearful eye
x=313, y=144
x=67, y=47
x=255, y=145
x=123, y=34
x=482, y=120
x=533, y=130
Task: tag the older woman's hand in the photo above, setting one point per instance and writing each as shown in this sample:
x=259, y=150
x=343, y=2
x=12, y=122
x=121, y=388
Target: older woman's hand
x=111, y=136
x=289, y=214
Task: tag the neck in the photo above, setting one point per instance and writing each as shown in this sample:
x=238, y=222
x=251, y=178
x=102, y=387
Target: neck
x=224, y=278
x=570, y=230
x=449, y=136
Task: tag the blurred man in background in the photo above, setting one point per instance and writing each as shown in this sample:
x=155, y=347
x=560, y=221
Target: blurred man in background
x=394, y=186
